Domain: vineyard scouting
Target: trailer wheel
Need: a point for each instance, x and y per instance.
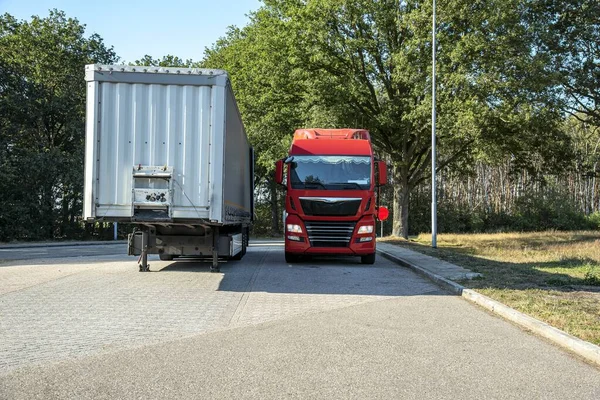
(291, 258)
(368, 259)
(166, 257)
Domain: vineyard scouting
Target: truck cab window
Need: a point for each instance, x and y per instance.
(331, 172)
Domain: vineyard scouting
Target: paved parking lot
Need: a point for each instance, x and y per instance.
(94, 327)
(69, 308)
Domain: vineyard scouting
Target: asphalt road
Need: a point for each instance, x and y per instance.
(36, 252)
(94, 327)
(62, 250)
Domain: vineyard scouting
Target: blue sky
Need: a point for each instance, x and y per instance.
(135, 28)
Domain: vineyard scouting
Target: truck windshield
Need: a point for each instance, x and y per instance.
(330, 172)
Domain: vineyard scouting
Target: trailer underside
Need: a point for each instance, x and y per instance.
(200, 241)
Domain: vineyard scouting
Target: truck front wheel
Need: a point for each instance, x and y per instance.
(291, 258)
(368, 259)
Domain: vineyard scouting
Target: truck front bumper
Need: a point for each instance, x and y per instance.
(355, 249)
(298, 239)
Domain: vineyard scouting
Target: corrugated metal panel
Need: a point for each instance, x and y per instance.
(153, 124)
(237, 168)
(154, 117)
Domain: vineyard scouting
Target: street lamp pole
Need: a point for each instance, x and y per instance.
(433, 150)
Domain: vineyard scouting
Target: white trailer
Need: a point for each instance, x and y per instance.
(166, 150)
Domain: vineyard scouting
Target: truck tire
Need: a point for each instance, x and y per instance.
(368, 259)
(291, 258)
(166, 257)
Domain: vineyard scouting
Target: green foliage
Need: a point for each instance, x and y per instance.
(166, 61)
(592, 277)
(451, 219)
(568, 37)
(507, 71)
(267, 91)
(42, 113)
(551, 211)
(585, 137)
(594, 220)
(262, 220)
(532, 212)
(368, 64)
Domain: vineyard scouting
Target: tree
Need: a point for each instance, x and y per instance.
(267, 90)
(368, 64)
(166, 61)
(568, 35)
(42, 112)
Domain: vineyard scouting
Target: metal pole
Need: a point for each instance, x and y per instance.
(115, 231)
(433, 150)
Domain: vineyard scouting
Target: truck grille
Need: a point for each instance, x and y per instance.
(330, 206)
(329, 234)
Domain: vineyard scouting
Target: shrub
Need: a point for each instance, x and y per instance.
(551, 211)
(594, 220)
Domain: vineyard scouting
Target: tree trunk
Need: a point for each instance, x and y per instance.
(274, 208)
(401, 200)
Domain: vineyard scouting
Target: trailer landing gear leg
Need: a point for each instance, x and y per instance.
(144, 266)
(215, 251)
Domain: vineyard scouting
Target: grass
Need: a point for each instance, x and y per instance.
(552, 276)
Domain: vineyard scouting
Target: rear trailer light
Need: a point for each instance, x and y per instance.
(365, 229)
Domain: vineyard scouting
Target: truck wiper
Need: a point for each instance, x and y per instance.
(314, 183)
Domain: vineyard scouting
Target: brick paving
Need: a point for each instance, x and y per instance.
(61, 309)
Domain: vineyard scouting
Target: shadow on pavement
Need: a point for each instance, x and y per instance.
(269, 273)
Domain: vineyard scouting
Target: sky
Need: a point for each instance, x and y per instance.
(134, 28)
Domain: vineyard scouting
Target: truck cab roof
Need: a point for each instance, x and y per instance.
(339, 134)
(331, 142)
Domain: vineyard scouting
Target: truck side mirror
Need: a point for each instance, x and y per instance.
(382, 173)
(279, 172)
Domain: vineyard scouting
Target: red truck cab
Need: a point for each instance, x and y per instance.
(331, 200)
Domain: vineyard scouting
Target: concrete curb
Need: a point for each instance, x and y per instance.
(586, 350)
(60, 244)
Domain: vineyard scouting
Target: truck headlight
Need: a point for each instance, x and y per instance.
(294, 228)
(365, 229)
